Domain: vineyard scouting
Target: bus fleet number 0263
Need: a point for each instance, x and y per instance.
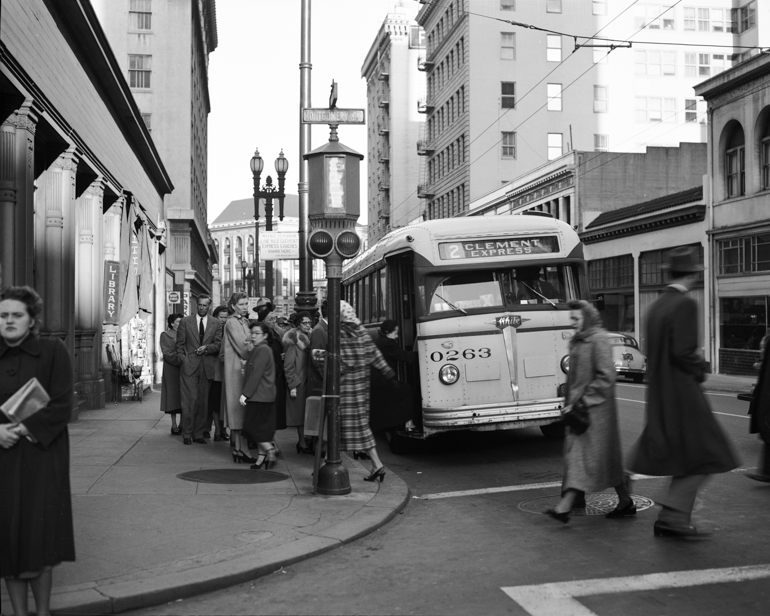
(454, 355)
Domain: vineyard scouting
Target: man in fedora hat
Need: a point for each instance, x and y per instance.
(682, 438)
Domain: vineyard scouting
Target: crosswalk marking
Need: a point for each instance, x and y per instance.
(558, 599)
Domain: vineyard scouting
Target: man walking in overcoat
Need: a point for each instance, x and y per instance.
(197, 345)
(682, 437)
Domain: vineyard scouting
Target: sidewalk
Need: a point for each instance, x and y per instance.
(143, 536)
(730, 384)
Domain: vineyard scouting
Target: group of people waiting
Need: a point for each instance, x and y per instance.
(243, 378)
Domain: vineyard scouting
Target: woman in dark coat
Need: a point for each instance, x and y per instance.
(593, 460)
(259, 395)
(170, 390)
(357, 355)
(36, 506)
(391, 400)
(759, 410)
(296, 346)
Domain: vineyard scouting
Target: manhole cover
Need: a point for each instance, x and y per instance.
(232, 476)
(596, 504)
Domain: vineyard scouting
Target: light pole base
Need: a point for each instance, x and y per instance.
(333, 479)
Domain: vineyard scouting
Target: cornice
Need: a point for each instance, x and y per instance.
(683, 216)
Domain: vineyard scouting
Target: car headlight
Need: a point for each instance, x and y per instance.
(564, 364)
(448, 374)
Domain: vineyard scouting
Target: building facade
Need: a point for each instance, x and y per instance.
(503, 99)
(163, 48)
(394, 85)
(739, 220)
(76, 158)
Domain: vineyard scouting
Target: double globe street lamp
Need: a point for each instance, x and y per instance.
(268, 193)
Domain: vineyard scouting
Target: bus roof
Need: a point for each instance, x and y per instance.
(424, 238)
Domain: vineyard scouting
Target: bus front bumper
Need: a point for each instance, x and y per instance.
(492, 416)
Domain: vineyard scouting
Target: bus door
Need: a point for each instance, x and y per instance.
(401, 281)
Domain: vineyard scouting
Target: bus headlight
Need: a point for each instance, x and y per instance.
(564, 364)
(448, 374)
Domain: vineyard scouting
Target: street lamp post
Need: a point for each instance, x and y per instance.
(244, 265)
(268, 193)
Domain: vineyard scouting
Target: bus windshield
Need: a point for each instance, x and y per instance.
(510, 288)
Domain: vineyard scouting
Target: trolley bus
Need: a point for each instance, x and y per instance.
(483, 303)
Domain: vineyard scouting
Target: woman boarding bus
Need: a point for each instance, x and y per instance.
(483, 302)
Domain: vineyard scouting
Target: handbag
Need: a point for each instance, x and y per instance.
(577, 417)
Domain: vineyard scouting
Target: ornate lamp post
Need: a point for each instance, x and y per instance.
(268, 193)
(244, 265)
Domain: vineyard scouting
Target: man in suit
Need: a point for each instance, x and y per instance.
(681, 438)
(318, 338)
(197, 345)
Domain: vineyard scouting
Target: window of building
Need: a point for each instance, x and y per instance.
(553, 49)
(555, 145)
(744, 255)
(508, 94)
(653, 17)
(140, 14)
(139, 70)
(748, 16)
(735, 164)
(655, 63)
(227, 251)
(553, 91)
(690, 110)
(507, 46)
(601, 102)
(508, 145)
(250, 249)
(599, 7)
(766, 156)
(601, 143)
(147, 119)
(238, 251)
(653, 109)
(553, 6)
(507, 5)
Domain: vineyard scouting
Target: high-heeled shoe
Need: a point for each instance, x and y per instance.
(377, 475)
(258, 464)
(246, 459)
(301, 449)
(620, 512)
(361, 455)
(562, 516)
(236, 457)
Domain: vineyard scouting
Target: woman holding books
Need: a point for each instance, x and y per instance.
(36, 508)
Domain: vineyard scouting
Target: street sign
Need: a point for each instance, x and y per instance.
(173, 297)
(333, 116)
(276, 246)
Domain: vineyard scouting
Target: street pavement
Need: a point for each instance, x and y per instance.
(143, 536)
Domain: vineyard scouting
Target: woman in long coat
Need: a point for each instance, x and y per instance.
(170, 391)
(296, 348)
(36, 530)
(593, 460)
(357, 354)
(236, 346)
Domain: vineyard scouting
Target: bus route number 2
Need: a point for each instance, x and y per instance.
(454, 355)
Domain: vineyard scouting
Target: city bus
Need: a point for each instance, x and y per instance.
(482, 303)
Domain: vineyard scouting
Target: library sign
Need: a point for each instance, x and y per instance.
(111, 288)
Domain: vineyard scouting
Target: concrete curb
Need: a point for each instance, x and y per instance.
(115, 595)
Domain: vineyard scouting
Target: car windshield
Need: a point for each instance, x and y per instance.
(510, 288)
(623, 341)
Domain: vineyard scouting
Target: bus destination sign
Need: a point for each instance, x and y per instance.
(504, 247)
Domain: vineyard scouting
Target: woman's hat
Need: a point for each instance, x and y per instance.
(682, 260)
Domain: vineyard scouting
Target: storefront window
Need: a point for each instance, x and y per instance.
(743, 322)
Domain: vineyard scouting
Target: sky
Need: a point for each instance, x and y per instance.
(254, 85)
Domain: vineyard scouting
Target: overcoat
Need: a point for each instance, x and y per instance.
(170, 392)
(35, 501)
(593, 461)
(682, 436)
(391, 401)
(357, 354)
(236, 347)
(259, 389)
(318, 338)
(296, 349)
(759, 409)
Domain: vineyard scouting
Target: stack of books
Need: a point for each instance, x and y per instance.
(26, 402)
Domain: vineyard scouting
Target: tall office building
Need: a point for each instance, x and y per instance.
(503, 99)
(163, 47)
(394, 85)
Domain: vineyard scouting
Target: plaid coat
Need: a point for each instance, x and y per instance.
(357, 354)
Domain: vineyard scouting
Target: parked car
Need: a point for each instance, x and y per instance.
(629, 360)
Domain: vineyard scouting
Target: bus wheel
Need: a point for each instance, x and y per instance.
(553, 430)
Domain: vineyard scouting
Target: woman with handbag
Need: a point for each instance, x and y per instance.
(593, 459)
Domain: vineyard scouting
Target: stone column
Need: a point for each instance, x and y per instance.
(17, 177)
(89, 280)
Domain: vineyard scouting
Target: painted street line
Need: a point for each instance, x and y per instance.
(559, 598)
(630, 400)
(520, 488)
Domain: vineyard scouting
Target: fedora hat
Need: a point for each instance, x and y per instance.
(261, 303)
(682, 260)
